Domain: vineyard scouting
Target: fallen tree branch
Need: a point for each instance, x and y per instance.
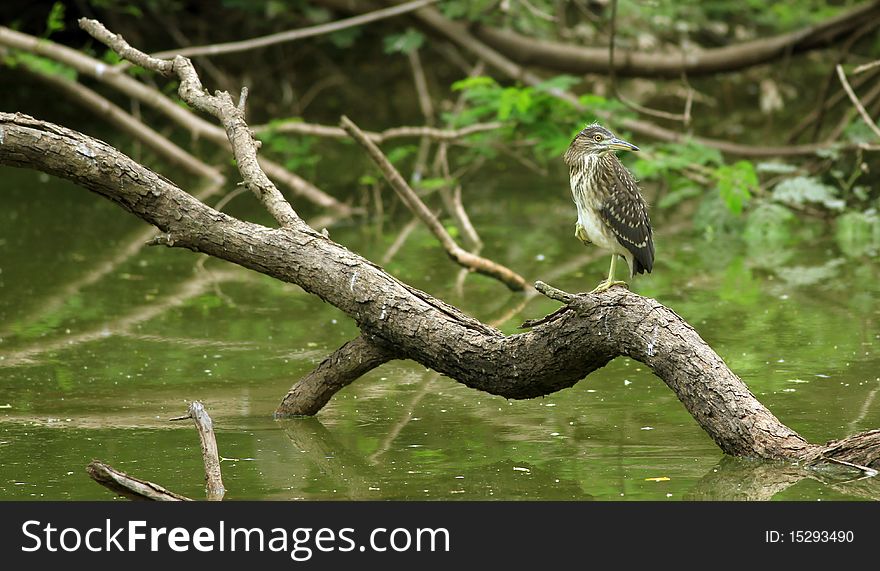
(130, 487)
(197, 127)
(685, 117)
(461, 256)
(344, 366)
(432, 133)
(548, 358)
(109, 111)
(581, 60)
(205, 426)
(461, 35)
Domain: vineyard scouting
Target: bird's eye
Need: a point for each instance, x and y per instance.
(598, 138)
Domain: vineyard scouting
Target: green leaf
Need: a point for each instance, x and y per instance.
(735, 184)
(858, 233)
(801, 190)
(679, 195)
(472, 82)
(404, 43)
(345, 38)
(55, 19)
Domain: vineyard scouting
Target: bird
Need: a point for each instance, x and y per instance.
(611, 211)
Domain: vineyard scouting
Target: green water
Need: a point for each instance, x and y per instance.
(95, 358)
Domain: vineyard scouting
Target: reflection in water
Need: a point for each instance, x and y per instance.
(98, 374)
(743, 479)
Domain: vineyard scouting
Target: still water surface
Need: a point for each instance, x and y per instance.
(101, 342)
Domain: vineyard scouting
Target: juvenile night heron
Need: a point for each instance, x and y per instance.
(611, 212)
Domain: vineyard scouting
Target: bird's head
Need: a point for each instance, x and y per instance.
(595, 140)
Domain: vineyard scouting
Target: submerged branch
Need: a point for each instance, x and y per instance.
(130, 487)
(205, 426)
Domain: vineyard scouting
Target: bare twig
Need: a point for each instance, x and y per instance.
(464, 258)
(855, 101)
(298, 34)
(867, 66)
(381, 137)
(870, 472)
(612, 76)
(220, 105)
(130, 487)
(205, 426)
(427, 107)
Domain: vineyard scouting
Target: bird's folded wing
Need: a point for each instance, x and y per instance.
(626, 213)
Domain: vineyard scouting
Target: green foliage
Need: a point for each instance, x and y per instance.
(297, 153)
(39, 64)
(530, 113)
(736, 183)
(858, 233)
(55, 19)
(669, 158)
(473, 10)
(345, 38)
(405, 42)
(802, 190)
(400, 153)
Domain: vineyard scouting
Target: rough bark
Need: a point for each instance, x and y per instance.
(210, 456)
(344, 366)
(412, 324)
(130, 487)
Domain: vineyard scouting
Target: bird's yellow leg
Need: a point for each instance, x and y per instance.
(610, 281)
(580, 233)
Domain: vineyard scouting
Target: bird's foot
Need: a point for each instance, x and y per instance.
(608, 284)
(581, 234)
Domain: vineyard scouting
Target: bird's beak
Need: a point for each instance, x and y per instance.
(621, 145)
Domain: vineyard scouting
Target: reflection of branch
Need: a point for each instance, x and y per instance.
(124, 252)
(331, 457)
(187, 290)
(405, 418)
(401, 238)
(866, 406)
(750, 480)
(464, 258)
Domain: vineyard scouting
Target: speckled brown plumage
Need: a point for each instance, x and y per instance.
(611, 212)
